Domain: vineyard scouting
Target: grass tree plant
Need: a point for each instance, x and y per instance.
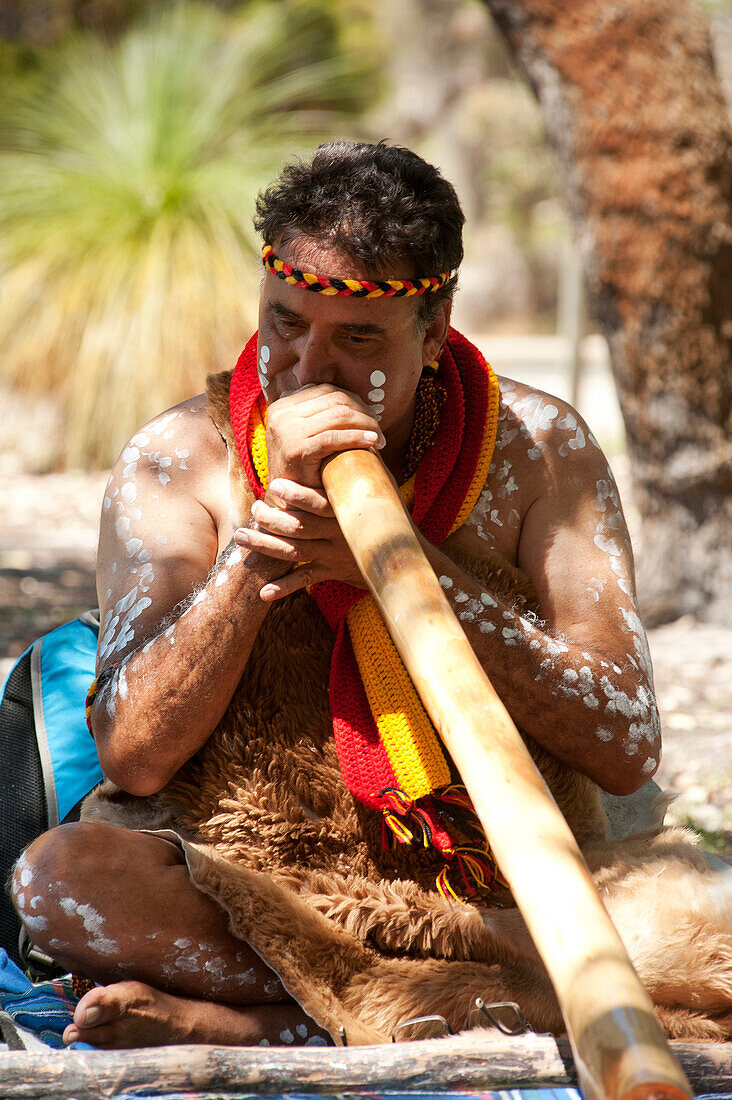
(128, 172)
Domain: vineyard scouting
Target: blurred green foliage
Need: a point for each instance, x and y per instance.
(128, 174)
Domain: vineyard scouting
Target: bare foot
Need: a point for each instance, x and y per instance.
(131, 1014)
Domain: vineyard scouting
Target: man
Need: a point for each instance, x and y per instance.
(186, 585)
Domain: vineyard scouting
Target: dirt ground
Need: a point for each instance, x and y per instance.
(48, 527)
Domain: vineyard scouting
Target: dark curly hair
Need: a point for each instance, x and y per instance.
(380, 204)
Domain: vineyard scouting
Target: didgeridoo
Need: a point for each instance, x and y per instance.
(619, 1048)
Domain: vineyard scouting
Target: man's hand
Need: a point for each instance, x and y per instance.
(295, 523)
(304, 427)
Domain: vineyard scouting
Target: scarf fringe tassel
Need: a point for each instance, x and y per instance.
(409, 824)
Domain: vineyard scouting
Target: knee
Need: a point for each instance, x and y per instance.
(54, 861)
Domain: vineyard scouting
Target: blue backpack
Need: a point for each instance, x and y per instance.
(48, 757)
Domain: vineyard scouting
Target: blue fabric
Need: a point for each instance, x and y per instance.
(46, 1008)
(68, 656)
(12, 980)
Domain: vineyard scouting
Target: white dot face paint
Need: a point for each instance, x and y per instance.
(264, 356)
(376, 394)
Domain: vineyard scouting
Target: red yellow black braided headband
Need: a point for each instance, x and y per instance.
(327, 284)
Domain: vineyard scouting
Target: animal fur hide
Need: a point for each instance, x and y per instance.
(358, 934)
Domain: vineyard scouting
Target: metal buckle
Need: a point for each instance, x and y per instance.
(422, 1020)
(521, 1027)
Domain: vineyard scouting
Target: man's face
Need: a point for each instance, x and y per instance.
(371, 347)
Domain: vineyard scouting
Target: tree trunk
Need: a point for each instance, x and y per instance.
(636, 116)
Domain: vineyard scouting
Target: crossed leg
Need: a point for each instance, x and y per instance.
(119, 907)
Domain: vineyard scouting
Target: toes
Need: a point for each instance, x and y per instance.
(71, 1035)
(98, 1006)
(104, 1037)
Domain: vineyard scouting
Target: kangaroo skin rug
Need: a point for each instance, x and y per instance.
(355, 927)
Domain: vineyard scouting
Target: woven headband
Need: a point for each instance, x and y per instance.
(356, 288)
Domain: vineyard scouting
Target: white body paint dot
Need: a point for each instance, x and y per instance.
(264, 353)
(377, 378)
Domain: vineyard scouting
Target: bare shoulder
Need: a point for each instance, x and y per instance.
(164, 517)
(542, 445)
(180, 449)
(541, 429)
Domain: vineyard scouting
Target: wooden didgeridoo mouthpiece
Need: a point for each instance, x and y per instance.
(619, 1048)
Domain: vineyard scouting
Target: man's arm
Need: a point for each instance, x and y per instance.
(579, 680)
(177, 620)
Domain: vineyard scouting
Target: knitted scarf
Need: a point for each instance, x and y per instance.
(389, 753)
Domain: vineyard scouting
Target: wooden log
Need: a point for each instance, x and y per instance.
(620, 1050)
(478, 1060)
